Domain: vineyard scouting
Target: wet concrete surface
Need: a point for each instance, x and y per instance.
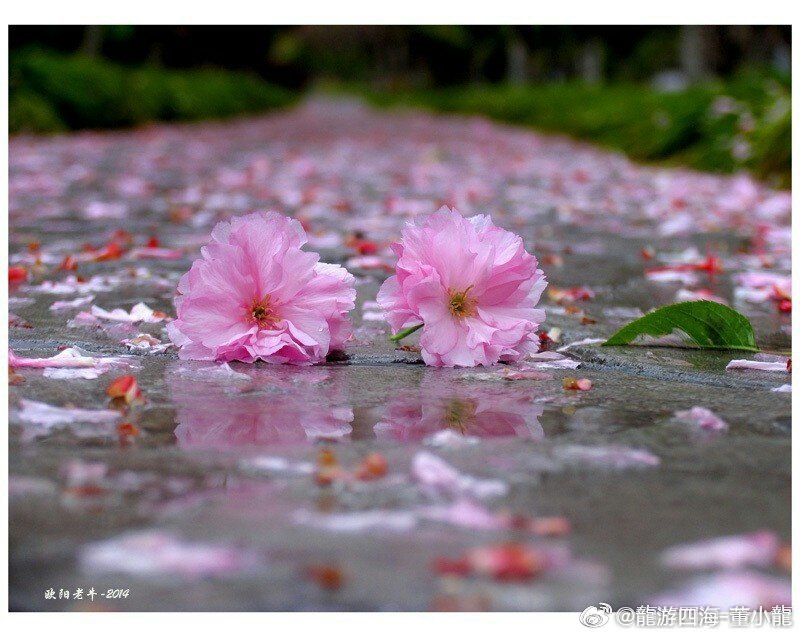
(222, 470)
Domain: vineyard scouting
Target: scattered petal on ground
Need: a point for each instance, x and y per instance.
(702, 418)
(359, 521)
(432, 471)
(39, 419)
(727, 589)
(158, 553)
(612, 457)
(139, 313)
(764, 366)
(735, 551)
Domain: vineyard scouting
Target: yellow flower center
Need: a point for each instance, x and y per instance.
(262, 314)
(461, 304)
(458, 413)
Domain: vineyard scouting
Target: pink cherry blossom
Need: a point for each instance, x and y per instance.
(255, 295)
(472, 285)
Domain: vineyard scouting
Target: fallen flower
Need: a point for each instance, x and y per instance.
(469, 286)
(703, 418)
(255, 295)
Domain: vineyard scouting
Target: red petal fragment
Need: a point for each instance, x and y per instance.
(506, 562)
(69, 264)
(125, 388)
(372, 467)
(17, 274)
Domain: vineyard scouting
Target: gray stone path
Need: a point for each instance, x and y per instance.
(214, 506)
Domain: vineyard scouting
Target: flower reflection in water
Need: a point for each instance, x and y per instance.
(277, 406)
(484, 410)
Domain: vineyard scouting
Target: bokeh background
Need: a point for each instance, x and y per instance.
(715, 98)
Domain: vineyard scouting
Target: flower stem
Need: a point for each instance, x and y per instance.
(403, 333)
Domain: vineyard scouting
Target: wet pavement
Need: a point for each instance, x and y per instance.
(373, 482)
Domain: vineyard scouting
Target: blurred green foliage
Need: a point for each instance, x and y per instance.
(51, 92)
(740, 123)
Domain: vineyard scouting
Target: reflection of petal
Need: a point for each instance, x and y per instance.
(468, 409)
(276, 408)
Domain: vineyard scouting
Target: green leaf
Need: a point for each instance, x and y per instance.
(707, 324)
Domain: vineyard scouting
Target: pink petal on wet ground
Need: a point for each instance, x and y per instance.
(140, 312)
(161, 554)
(611, 457)
(39, 419)
(431, 471)
(357, 521)
(727, 589)
(69, 357)
(763, 366)
(729, 552)
(702, 418)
